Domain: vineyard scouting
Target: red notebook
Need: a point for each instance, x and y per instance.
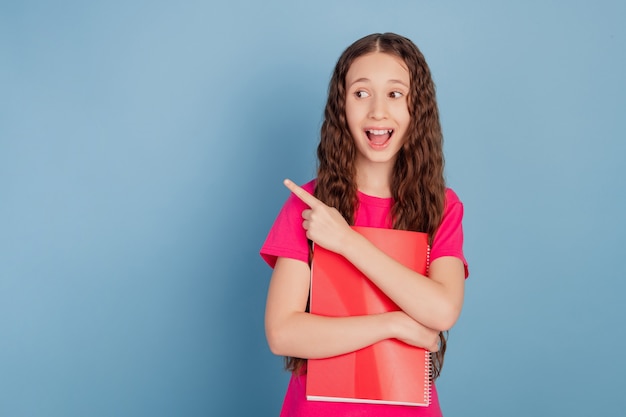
(390, 371)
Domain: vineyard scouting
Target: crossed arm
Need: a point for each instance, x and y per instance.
(428, 304)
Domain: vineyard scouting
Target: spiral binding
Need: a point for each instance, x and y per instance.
(428, 380)
(429, 375)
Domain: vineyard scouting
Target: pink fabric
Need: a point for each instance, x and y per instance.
(287, 239)
(296, 405)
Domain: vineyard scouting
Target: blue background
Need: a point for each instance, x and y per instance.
(142, 148)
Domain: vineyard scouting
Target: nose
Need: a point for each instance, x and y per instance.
(378, 107)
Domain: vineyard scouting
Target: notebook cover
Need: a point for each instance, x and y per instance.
(390, 371)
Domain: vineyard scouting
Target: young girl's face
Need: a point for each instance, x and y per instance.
(377, 86)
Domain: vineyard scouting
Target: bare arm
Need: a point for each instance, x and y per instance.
(433, 301)
(291, 331)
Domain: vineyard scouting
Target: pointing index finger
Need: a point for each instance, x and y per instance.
(306, 197)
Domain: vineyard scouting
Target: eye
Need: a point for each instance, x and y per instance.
(395, 94)
(361, 94)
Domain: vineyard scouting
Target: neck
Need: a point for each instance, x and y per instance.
(374, 179)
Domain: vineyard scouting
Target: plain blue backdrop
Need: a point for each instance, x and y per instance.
(142, 148)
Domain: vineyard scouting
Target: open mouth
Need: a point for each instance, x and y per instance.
(379, 137)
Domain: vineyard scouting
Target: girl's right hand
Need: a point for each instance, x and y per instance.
(413, 333)
(324, 225)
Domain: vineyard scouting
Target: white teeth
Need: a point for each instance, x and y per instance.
(379, 132)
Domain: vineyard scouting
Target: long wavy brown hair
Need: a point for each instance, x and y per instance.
(417, 184)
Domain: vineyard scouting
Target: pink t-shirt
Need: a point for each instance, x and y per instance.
(287, 239)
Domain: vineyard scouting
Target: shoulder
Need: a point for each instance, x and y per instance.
(287, 237)
(453, 209)
(448, 239)
(453, 204)
(452, 197)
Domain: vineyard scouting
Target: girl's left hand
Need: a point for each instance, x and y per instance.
(324, 225)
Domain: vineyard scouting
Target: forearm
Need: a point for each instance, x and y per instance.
(310, 336)
(291, 331)
(432, 302)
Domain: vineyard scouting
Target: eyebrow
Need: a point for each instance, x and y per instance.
(392, 81)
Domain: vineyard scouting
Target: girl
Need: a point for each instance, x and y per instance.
(380, 165)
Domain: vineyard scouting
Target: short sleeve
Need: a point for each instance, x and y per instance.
(287, 237)
(448, 240)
